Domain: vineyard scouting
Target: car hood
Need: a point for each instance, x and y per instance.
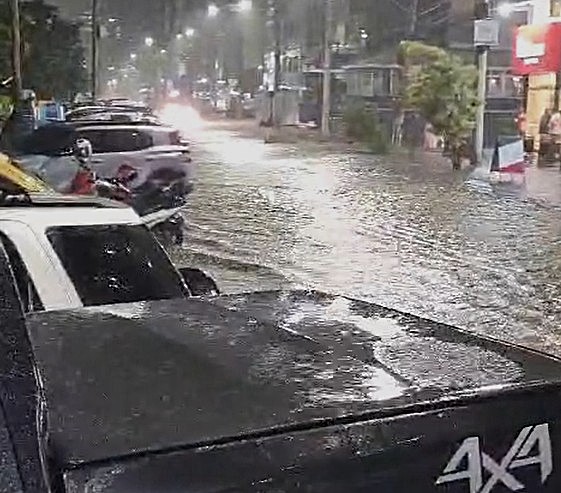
(130, 379)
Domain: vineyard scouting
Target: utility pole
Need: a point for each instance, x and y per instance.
(95, 48)
(275, 26)
(414, 18)
(486, 34)
(326, 106)
(278, 50)
(16, 48)
(482, 64)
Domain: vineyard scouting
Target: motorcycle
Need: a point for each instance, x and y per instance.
(159, 206)
(61, 160)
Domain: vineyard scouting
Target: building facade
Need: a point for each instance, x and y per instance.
(536, 59)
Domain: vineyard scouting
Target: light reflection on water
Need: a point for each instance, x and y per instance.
(414, 237)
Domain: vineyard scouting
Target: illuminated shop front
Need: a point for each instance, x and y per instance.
(537, 56)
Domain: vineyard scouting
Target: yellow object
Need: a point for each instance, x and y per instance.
(12, 173)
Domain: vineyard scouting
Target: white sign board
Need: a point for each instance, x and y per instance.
(509, 158)
(525, 48)
(486, 32)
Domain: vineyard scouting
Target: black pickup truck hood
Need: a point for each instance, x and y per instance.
(130, 380)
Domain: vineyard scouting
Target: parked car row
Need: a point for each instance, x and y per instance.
(127, 154)
(121, 374)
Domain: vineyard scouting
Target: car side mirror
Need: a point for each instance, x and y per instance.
(199, 283)
(83, 150)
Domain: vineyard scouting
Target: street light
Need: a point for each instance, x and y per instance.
(133, 56)
(189, 32)
(163, 51)
(505, 9)
(245, 5)
(149, 41)
(213, 10)
(179, 36)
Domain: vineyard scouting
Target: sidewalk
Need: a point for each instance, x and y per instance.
(544, 185)
(541, 184)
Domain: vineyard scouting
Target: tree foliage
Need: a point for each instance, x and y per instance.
(365, 127)
(53, 55)
(443, 89)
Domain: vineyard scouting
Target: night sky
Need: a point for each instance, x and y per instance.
(74, 7)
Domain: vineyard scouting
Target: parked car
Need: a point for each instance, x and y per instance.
(117, 116)
(155, 181)
(147, 148)
(250, 104)
(73, 251)
(283, 391)
(84, 111)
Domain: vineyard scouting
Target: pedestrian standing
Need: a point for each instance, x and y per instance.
(545, 146)
(521, 121)
(555, 133)
(544, 121)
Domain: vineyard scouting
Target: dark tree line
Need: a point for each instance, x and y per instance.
(53, 63)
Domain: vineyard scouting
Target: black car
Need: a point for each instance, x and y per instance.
(268, 392)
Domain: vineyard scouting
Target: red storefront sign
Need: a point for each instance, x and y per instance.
(537, 49)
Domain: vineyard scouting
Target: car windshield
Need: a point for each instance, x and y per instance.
(115, 264)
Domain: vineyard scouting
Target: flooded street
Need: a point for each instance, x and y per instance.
(416, 237)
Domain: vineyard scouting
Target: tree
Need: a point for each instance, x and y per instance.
(443, 89)
(53, 55)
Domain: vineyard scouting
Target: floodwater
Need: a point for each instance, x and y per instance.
(408, 235)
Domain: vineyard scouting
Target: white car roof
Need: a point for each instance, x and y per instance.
(44, 218)
(47, 211)
(124, 126)
(84, 108)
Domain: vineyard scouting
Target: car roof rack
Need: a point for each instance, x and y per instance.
(23, 199)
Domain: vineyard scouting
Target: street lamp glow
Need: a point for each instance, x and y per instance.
(505, 9)
(149, 41)
(179, 36)
(212, 10)
(245, 5)
(189, 32)
(133, 56)
(163, 51)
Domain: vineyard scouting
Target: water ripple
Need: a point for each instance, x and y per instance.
(414, 237)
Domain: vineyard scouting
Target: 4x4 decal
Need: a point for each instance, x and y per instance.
(531, 439)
